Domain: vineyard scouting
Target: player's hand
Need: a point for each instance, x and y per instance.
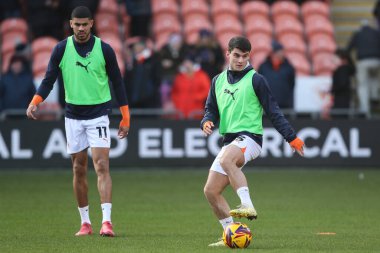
(297, 145)
(123, 132)
(31, 111)
(207, 127)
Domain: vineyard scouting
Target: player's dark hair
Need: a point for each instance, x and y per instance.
(81, 12)
(239, 42)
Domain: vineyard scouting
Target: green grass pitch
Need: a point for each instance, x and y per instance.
(165, 211)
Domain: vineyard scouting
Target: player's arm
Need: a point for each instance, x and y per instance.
(47, 83)
(272, 110)
(113, 72)
(211, 110)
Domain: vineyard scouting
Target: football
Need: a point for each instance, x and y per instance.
(237, 235)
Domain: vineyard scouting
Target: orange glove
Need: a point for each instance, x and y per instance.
(297, 145)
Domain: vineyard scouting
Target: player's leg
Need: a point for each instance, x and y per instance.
(98, 136)
(77, 148)
(236, 155)
(80, 185)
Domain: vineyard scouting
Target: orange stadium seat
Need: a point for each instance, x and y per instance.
(107, 25)
(40, 63)
(288, 26)
(224, 7)
(113, 40)
(299, 62)
(293, 43)
(227, 23)
(108, 6)
(258, 58)
(194, 6)
(285, 7)
(321, 43)
(225, 37)
(315, 7)
(13, 25)
(166, 23)
(255, 24)
(10, 41)
(316, 26)
(164, 6)
(324, 64)
(260, 42)
(254, 8)
(43, 44)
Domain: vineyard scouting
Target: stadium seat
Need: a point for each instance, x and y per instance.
(324, 64)
(260, 42)
(293, 43)
(321, 43)
(299, 62)
(285, 7)
(40, 63)
(107, 25)
(10, 41)
(219, 7)
(113, 40)
(288, 26)
(193, 26)
(166, 23)
(320, 25)
(43, 44)
(164, 6)
(108, 6)
(255, 24)
(255, 9)
(227, 23)
(224, 38)
(13, 25)
(258, 58)
(194, 6)
(315, 7)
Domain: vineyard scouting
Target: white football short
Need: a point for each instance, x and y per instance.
(247, 145)
(81, 134)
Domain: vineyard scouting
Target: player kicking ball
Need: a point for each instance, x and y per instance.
(236, 100)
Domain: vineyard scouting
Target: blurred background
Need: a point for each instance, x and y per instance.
(321, 59)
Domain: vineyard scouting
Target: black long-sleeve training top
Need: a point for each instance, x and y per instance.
(83, 112)
(264, 94)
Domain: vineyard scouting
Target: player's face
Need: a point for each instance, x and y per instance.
(237, 59)
(81, 28)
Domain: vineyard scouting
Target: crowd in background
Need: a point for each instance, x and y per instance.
(178, 76)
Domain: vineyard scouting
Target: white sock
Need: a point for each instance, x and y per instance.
(225, 222)
(106, 210)
(243, 193)
(84, 214)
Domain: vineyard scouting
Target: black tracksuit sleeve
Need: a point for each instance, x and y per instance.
(271, 108)
(113, 72)
(211, 108)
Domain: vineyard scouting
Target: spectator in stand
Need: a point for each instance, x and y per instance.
(16, 85)
(342, 84)
(366, 43)
(10, 9)
(171, 55)
(140, 12)
(46, 18)
(143, 77)
(190, 89)
(209, 54)
(280, 75)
